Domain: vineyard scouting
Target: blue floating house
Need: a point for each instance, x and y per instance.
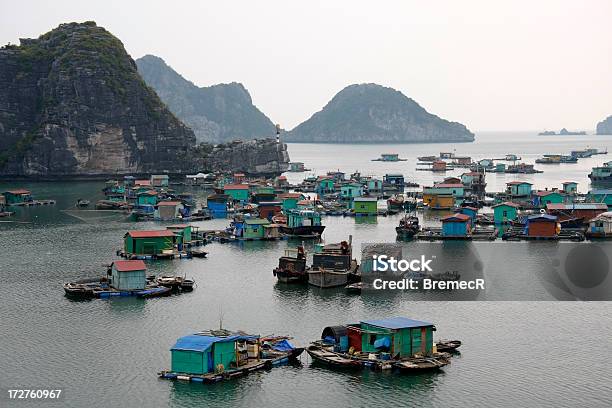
(217, 205)
(456, 225)
(471, 212)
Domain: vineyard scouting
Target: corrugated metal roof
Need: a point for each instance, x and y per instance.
(397, 323)
(507, 203)
(455, 218)
(169, 203)
(512, 183)
(128, 266)
(577, 206)
(150, 234)
(19, 191)
(236, 187)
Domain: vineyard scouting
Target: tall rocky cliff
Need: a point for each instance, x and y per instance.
(218, 113)
(605, 126)
(370, 113)
(72, 103)
(254, 157)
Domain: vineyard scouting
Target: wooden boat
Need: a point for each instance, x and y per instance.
(292, 266)
(408, 227)
(448, 345)
(154, 292)
(333, 266)
(82, 203)
(198, 253)
(357, 287)
(418, 364)
(330, 358)
(176, 283)
(187, 285)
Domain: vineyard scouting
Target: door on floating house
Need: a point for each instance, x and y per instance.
(210, 360)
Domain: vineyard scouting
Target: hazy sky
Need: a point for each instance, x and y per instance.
(492, 65)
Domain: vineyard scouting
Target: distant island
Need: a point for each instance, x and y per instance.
(216, 114)
(562, 132)
(605, 126)
(371, 113)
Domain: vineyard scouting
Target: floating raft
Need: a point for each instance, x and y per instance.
(477, 234)
(34, 203)
(518, 234)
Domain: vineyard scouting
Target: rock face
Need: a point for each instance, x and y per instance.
(72, 104)
(605, 126)
(255, 157)
(217, 114)
(370, 113)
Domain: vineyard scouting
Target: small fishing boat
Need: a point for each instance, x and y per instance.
(198, 253)
(82, 203)
(216, 355)
(419, 364)
(322, 355)
(333, 265)
(187, 285)
(176, 283)
(448, 345)
(408, 227)
(395, 203)
(358, 287)
(292, 266)
(154, 292)
(428, 158)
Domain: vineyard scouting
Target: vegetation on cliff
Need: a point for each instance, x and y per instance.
(72, 103)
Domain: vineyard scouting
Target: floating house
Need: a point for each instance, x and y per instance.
(601, 174)
(570, 187)
(337, 176)
(290, 200)
(474, 182)
(303, 222)
(506, 212)
(351, 190)
(365, 206)
(399, 336)
(542, 198)
(183, 232)
(237, 192)
(263, 194)
(542, 225)
(584, 211)
(156, 242)
(373, 186)
(438, 201)
(205, 353)
(600, 226)
(160, 180)
(170, 210)
(438, 165)
(239, 178)
(128, 275)
(17, 196)
(254, 228)
(518, 188)
(389, 157)
(296, 167)
(324, 185)
(217, 205)
(395, 181)
(456, 225)
(269, 209)
(463, 160)
(443, 195)
(600, 196)
(471, 212)
(148, 197)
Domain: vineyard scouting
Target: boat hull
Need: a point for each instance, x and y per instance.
(324, 278)
(303, 231)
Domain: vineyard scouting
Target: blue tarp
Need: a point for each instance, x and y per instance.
(397, 323)
(283, 345)
(197, 342)
(383, 343)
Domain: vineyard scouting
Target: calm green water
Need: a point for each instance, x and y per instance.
(106, 353)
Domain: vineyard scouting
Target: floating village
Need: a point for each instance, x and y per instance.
(269, 209)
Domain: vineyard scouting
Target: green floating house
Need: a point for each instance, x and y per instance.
(203, 353)
(504, 213)
(17, 196)
(183, 232)
(403, 337)
(128, 275)
(237, 192)
(365, 206)
(148, 242)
